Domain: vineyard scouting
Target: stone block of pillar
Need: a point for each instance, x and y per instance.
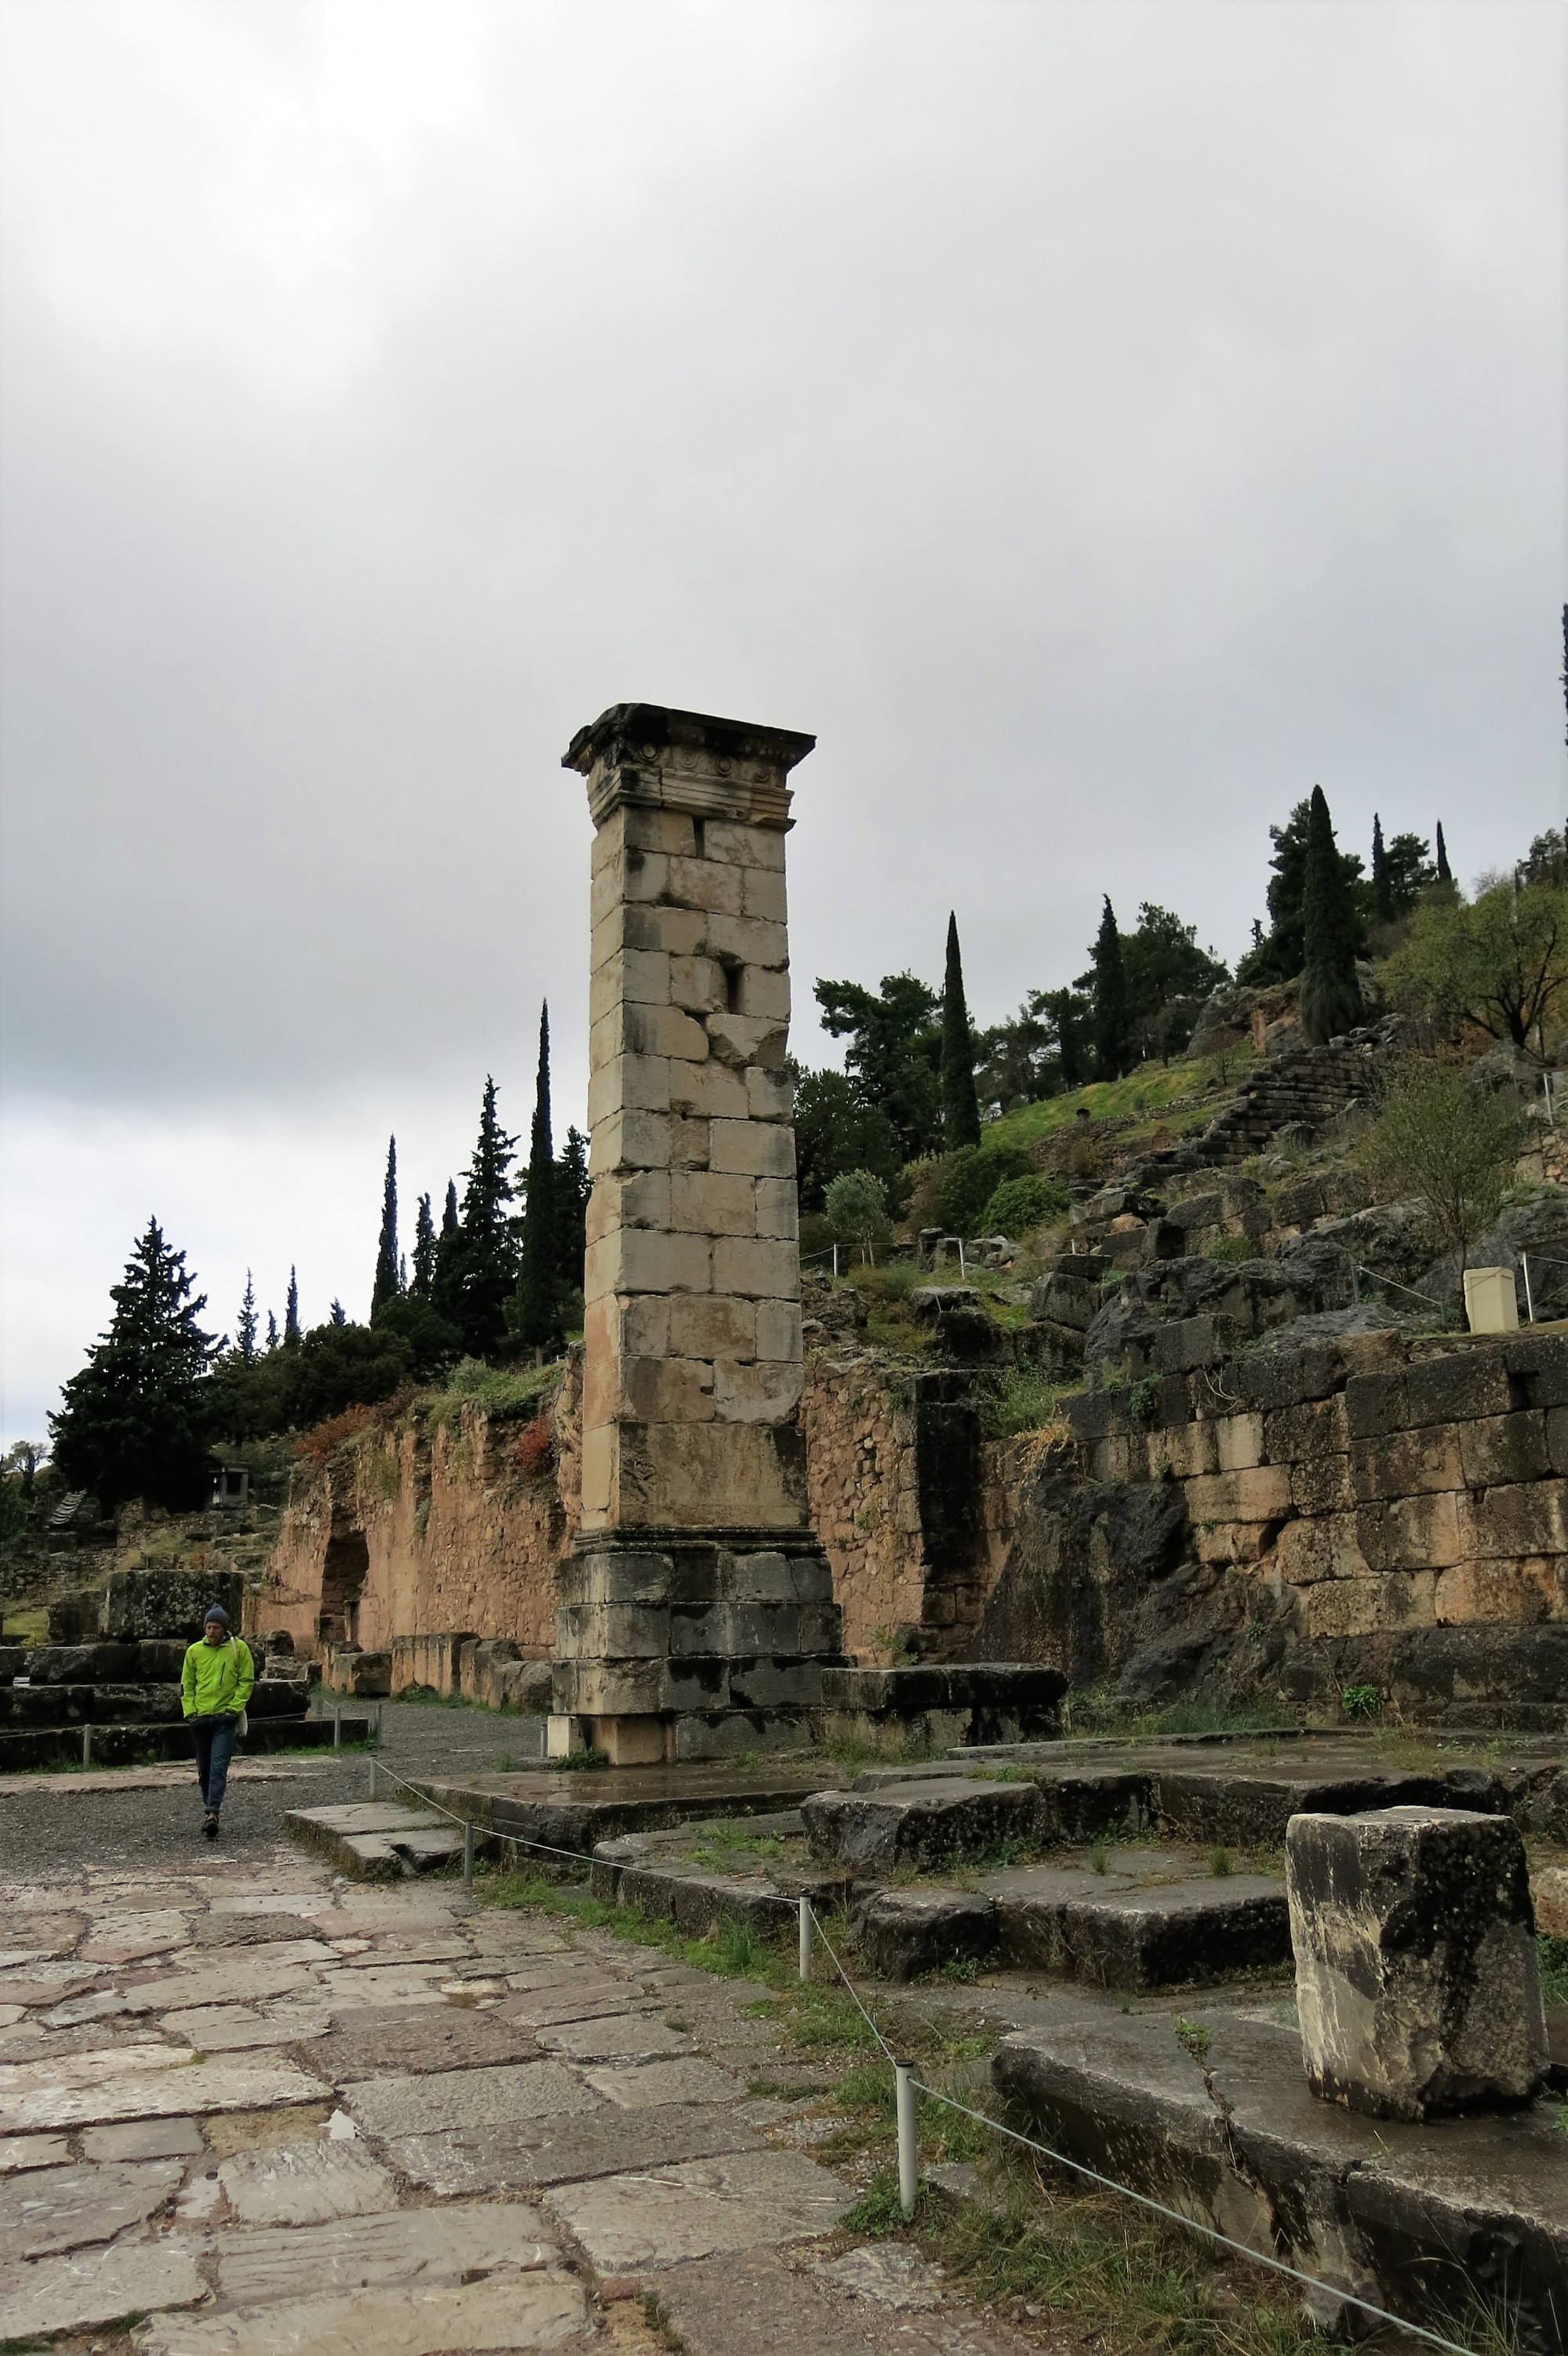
(695, 1541)
(1416, 1974)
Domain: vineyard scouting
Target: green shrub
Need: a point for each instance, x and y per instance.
(858, 1210)
(1020, 1203)
(970, 1177)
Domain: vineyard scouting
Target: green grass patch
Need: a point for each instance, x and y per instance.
(736, 1949)
(1553, 1969)
(493, 1390)
(1144, 1094)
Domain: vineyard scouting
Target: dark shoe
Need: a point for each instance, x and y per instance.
(210, 1827)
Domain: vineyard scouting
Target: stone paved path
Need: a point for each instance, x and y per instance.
(271, 2110)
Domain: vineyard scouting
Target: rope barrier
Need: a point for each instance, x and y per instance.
(906, 2082)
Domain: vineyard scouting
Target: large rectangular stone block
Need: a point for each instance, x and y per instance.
(1532, 1517)
(708, 1091)
(1406, 1463)
(1259, 1494)
(1498, 1449)
(744, 846)
(1416, 1977)
(1412, 1532)
(712, 1202)
(759, 1149)
(764, 1270)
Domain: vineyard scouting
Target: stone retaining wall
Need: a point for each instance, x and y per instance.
(1356, 1509)
(424, 1534)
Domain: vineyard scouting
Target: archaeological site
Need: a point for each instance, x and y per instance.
(1090, 1630)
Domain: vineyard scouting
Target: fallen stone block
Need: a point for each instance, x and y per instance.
(382, 1840)
(905, 1932)
(1417, 1980)
(348, 1670)
(923, 1822)
(1419, 2220)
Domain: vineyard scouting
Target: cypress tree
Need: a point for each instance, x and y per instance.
(571, 1189)
(271, 1333)
(424, 1251)
(446, 1284)
(960, 1104)
(537, 1325)
(132, 1423)
(1112, 1019)
(385, 1286)
(292, 1315)
(1382, 890)
(1445, 873)
(1330, 994)
(246, 1322)
(488, 1272)
(338, 1314)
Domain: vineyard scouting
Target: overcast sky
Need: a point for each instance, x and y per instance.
(1097, 424)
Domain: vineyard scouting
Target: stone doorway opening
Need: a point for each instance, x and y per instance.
(343, 1577)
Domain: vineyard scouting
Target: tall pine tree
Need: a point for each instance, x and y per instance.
(1330, 994)
(571, 1189)
(1445, 873)
(291, 1313)
(960, 1104)
(245, 1325)
(538, 1321)
(423, 1285)
(385, 1286)
(1112, 1019)
(271, 1333)
(446, 1285)
(488, 1266)
(132, 1423)
(1382, 891)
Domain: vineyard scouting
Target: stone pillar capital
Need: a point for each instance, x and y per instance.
(648, 756)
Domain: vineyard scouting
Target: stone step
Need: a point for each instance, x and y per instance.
(1116, 1930)
(379, 1840)
(125, 1746)
(1214, 2116)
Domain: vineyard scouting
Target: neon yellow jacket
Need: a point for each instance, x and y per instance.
(216, 1677)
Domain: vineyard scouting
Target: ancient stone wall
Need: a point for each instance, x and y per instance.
(913, 1504)
(1317, 1512)
(459, 1530)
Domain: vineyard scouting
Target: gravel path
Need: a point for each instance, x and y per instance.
(57, 1824)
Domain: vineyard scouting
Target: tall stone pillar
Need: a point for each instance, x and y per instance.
(697, 1613)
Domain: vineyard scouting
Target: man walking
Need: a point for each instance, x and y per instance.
(215, 1686)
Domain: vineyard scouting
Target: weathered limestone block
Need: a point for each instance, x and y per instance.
(167, 1602)
(1504, 1448)
(1417, 1982)
(348, 1670)
(1406, 1464)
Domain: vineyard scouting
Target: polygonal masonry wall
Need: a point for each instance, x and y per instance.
(692, 1326)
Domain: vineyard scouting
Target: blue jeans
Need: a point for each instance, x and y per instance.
(214, 1740)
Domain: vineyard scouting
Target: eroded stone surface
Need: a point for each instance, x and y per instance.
(685, 2078)
(171, 2138)
(59, 2209)
(399, 2105)
(72, 2294)
(1416, 1972)
(533, 2153)
(304, 2184)
(629, 2223)
(18, 2152)
(527, 2311)
(393, 2246)
(152, 2093)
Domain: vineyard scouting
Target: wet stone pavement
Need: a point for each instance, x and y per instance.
(265, 2111)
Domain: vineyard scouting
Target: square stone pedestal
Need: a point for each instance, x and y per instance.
(673, 1645)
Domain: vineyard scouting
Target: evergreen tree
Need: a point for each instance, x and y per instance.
(245, 1323)
(1330, 994)
(292, 1315)
(1445, 873)
(1382, 896)
(424, 1251)
(960, 1104)
(895, 1054)
(271, 1333)
(489, 1271)
(537, 1323)
(133, 1422)
(338, 1314)
(385, 1286)
(571, 1189)
(1113, 1026)
(446, 1284)
(1280, 957)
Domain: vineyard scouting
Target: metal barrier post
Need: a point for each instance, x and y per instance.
(337, 1730)
(380, 1707)
(1529, 1300)
(468, 1855)
(374, 1781)
(806, 1938)
(904, 2072)
(87, 1746)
